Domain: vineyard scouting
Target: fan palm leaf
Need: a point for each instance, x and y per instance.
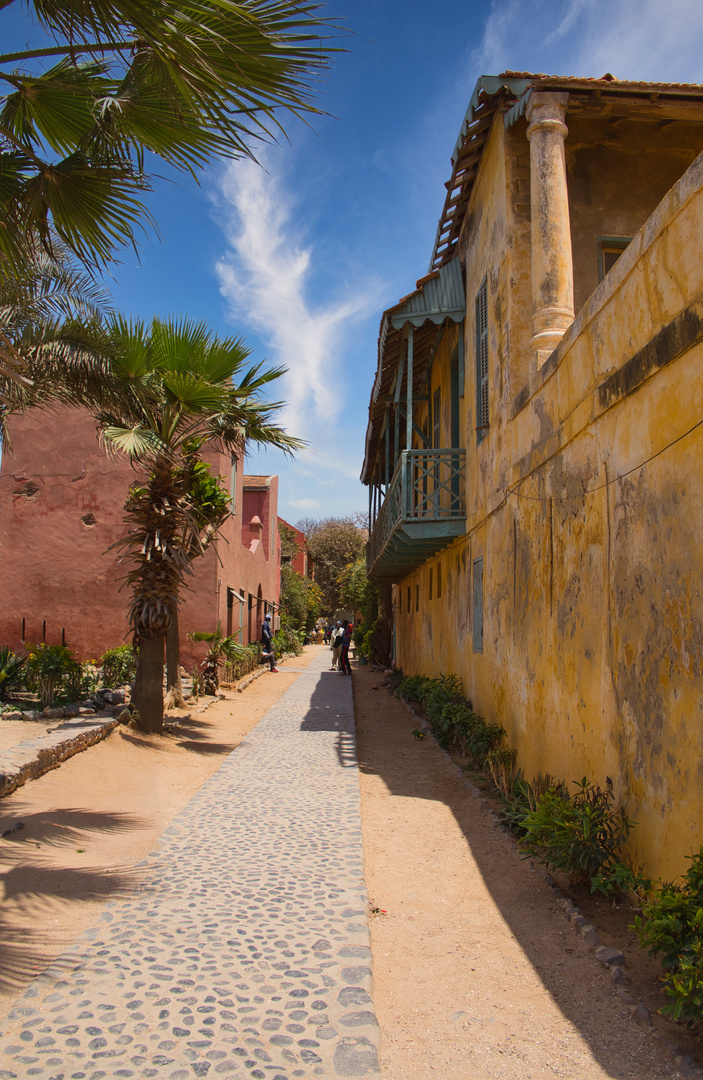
(187, 81)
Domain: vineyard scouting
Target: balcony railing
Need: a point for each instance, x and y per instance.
(424, 509)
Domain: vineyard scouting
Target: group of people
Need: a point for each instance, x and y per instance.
(339, 637)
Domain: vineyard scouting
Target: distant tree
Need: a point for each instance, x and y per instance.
(333, 543)
(300, 601)
(289, 542)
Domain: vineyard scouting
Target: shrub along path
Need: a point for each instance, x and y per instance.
(477, 975)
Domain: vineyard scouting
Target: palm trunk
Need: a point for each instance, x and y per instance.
(174, 687)
(148, 695)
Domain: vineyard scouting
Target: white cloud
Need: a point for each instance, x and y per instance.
(633, 39)
(267, 276)
(305, 504)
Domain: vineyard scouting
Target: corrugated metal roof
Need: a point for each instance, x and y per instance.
(438, 296)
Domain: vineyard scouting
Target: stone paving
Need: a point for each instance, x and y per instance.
(245, 952)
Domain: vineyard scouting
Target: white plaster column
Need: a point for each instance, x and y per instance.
(552, 261)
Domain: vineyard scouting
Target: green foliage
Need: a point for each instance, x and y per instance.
(361, 596)
(11, 668)
(501, 764)
(299, 600)
(334, 544)
(580, 835)
(453, 721)
(671, 927)
(524, 796)
(221, 649)
(286, 642)
(53, 670)
(119, 666)
(108, 88)
(289, 543)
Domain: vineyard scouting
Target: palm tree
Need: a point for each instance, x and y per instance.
(185, 80)
(222, 647)
(172, 387)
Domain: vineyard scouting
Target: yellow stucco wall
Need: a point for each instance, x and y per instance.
(593, 604)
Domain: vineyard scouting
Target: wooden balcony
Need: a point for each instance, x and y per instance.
(424, 510)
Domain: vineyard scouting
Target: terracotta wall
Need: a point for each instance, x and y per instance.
(60, 510)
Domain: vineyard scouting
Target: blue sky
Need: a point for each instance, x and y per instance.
(302, 253)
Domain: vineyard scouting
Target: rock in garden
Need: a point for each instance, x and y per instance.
(118, 697)
(125, 716)
(52, 713)
(14, 715)
(73, 709)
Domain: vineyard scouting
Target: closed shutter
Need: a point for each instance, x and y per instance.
(482, 362)
(478, 605)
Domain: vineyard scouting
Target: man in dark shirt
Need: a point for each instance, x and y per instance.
(267, 642)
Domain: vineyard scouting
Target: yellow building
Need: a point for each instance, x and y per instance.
(533, 452)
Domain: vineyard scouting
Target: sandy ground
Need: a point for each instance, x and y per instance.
(13, 732)
(87, 823)
(477, 975)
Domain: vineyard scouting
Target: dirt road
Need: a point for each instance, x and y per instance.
(477, 975)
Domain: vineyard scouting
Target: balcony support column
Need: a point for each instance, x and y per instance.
(409, 394)
(552, 260)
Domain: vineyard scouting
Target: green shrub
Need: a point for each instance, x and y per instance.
(671, 927)
(451, 716)
(286, 642)
(119, 666)
(11, 669)
(524, 797)
(579, 835)
(50, 670)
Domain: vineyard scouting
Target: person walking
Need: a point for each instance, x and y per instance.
(267, 642)
(336, 639)
(344, 649)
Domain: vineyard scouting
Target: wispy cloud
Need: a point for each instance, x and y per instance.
(269, 278)
(644, 40)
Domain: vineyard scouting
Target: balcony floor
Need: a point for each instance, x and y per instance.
(410, 545)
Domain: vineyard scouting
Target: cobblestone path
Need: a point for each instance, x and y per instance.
(245, 952)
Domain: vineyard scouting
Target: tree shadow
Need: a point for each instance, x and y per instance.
(37, 894)
(386, 749)
(63, 828)
(195, 747)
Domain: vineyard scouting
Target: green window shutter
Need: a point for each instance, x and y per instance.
(482, 362)
(478, 606)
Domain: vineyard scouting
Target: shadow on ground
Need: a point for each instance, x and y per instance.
(43, 895)
(420, 770)
(331, 711)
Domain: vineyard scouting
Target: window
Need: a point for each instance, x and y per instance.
(408, 599)
(610, 248)
(233, 484)
(478, 605)
(482, 362)
(439, 580)
(431, 574)
(417, 598)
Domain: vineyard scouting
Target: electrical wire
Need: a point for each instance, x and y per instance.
(599, 487)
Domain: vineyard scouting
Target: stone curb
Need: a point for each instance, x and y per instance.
(34, 757)
(610, 958)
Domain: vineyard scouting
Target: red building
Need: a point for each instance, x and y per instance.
(61, 501)
(302, 561)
